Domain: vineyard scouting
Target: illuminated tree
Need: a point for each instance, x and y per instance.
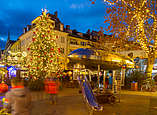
(135, 20)
(109, 42)
(44, 54)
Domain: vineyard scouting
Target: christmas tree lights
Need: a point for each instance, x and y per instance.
(44, 54)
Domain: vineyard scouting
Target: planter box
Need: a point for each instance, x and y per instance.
(134, 86)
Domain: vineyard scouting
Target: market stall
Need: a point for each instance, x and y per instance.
(82, 60)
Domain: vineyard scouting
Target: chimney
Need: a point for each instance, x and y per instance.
(74, 31)
(91, 37)
(61, 27)
(80, 34)
(70, 31)
(56, 14)
(24, 30)
(88, 31)
(28, 27)
(67, 27)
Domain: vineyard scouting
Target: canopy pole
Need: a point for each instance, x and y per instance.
(104, 81)
(113, 81)
(90, 77)
(85, 72)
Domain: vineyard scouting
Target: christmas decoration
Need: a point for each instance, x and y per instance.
(44, 52)
(3, 88)
(134, 20)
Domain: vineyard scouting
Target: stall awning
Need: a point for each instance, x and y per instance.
(92, 58)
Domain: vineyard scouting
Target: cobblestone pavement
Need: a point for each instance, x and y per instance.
(70, 102)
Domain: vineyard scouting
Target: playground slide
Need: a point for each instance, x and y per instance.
(88, 94)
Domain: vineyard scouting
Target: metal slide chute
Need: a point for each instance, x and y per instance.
(93, 59)
(88, 94)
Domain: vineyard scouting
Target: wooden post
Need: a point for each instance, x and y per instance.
(113, 80)
(18, 73)
(122, 76)
(98, 77)
(90, 77)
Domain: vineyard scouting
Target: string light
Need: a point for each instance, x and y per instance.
(44, 55)
(139, 20)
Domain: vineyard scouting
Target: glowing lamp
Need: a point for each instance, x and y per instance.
(69, 72)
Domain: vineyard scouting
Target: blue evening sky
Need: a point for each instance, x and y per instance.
(79, 14)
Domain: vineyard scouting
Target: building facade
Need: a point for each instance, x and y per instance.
(68, 40)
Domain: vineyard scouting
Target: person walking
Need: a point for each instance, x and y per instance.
(51, 87)
(18, 98)
(110, 81)
(101, 81)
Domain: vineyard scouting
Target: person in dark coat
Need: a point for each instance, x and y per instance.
(101, 79)
(107, 82)
(95, 80)
(18, 98)
(110, 80)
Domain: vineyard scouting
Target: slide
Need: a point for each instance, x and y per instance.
(88, 94)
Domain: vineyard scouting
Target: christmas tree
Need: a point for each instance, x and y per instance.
(43, 52)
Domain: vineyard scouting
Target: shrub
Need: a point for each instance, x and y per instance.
(36, 85)
(135, 76)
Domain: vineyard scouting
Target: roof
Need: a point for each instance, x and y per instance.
(10, 42)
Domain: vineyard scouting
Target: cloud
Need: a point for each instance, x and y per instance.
(2, 39)
(15, 22)
(77, 6)
(80, 14)
(87, 16)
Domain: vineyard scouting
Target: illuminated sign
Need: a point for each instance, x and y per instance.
(12, 71)
(1, 65)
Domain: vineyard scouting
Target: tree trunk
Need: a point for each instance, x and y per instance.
(151, 60)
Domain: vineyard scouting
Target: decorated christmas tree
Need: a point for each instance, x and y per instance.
(43, 52)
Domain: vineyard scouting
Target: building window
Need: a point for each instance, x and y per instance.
(74, 42)
(62, 50)
(22, 43)
(83, 43)
(62, 39)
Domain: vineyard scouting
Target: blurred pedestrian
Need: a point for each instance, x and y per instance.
(18, 98)
(51, 87)
(95, 80)
(107, 81)
(110, 81)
